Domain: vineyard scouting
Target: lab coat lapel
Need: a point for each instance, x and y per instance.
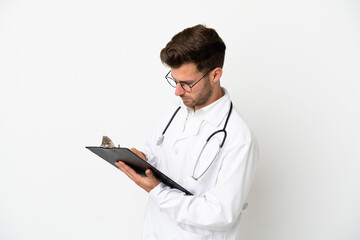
(192, 128)
(213, 114)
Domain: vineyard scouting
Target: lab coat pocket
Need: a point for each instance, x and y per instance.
(181, 234)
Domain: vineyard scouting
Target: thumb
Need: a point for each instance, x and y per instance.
(149, 173)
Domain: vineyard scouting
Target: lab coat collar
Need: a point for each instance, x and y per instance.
(213, 113)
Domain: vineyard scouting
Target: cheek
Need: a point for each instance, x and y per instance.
(195, 92)
(192, 95)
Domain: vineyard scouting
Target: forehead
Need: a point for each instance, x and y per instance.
(185, 72)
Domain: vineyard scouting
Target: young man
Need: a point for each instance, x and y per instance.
(206, 148)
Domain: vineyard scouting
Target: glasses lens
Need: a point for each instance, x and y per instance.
(186, 87)
(171, 81)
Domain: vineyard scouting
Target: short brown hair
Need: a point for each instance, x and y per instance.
(199, 45)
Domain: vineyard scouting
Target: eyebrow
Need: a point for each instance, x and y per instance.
(186, 81)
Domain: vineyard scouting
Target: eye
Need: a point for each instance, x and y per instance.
(187, 83)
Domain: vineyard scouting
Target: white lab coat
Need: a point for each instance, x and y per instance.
(215, 209)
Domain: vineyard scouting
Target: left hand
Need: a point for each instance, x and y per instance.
(146, 183)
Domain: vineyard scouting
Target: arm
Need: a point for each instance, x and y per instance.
(220, 206)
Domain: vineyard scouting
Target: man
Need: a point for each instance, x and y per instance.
(219, 181)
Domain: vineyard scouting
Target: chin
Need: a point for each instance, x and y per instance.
(188, 104)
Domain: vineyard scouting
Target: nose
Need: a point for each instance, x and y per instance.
(179, 90)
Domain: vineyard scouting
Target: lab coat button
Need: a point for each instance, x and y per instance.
(245, 206)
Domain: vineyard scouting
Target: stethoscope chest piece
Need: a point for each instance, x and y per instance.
(160, 139)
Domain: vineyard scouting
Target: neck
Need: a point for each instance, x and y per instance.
(217, 94)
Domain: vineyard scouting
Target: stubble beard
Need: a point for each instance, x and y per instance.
(203, 96)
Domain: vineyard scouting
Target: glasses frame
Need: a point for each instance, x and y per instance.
(171, 78)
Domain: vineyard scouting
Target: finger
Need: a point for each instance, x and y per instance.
(149, 173)
(119, 165)
(134, 150)
(128, 171)
(138, 153)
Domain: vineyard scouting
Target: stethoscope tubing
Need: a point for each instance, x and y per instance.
(161, 139)
(220, 146)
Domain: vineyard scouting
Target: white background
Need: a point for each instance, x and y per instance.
(70, 70)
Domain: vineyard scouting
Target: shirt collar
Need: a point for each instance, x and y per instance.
(213, 113)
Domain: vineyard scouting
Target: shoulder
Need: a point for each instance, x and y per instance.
(238, 130)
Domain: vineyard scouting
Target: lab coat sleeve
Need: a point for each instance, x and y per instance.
(219, 207)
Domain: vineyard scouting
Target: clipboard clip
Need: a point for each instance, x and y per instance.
(107, 143)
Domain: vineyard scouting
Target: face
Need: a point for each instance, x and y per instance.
(201, 93)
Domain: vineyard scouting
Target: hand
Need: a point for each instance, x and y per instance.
(140, 154)
(146, 183)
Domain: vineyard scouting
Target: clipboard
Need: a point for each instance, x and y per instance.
(112, 155)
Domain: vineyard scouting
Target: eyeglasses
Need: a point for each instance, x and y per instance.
(186, 86)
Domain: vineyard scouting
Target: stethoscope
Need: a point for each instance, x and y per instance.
(161, 139)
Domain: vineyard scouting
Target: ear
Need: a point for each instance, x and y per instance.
(217, 73)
